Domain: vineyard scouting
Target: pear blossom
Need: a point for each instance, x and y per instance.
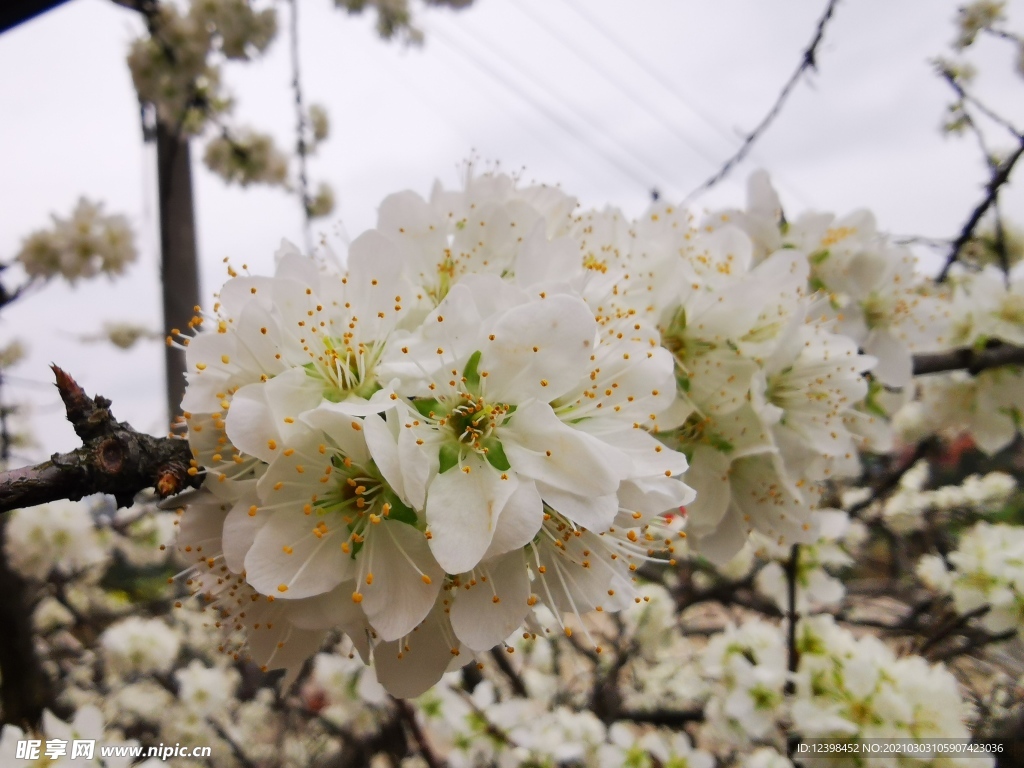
(135, 645)
(814, 584)
(986, 571)
(83, 245)
(853, 688)
(60, 536)
(988, 406)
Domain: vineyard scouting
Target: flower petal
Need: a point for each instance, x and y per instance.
(287, 553)
(462, 512)
(489, 611)
(406, 578)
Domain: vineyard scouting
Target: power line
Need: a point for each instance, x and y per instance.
(586, 58)
(566, 126)
(668, 86)
(652, 73)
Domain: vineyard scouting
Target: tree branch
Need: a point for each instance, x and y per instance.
(807, 61)
(974, 361)
(1000, 176)
(113, 459)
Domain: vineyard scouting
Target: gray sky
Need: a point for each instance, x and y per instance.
(572, 91)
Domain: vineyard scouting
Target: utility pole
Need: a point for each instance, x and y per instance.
(179, 270)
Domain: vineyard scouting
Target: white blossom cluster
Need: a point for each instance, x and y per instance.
(172, 67)
(985, 573)
(857, 688)
(844, 688)
(906, 508)
(462, 423)
(83, 245)
(423, 448)
(58, 536)
(246, 157)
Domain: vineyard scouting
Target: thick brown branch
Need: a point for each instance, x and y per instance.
(113, 459)
(974, 361)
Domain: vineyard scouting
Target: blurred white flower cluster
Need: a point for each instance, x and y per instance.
(857, 688)
(83, 245)
(247, 157)
(985, 574)
(172, 67)
(906, 508)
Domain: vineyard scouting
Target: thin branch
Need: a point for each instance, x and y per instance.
(514, 679)
(300, 118)
(791, 567)
(408, 716)
(1000, 176)
(668, 718)
(807, 61)
(114, 459)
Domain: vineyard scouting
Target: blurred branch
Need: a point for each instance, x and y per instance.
(974, 361)
(807, 61)
(999, 172)
(113, 459)
(408, 715)
(300, 117)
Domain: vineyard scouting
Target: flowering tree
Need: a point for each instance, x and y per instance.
(525, 484)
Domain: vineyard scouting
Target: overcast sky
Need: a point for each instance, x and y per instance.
(608, 98)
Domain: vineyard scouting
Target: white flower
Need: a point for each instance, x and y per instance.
(748, 664)
(135, 645)
(83, 245)
(987, 571)
(856, 687)
(247, 157)
(508, 406)
(206, 690)
(58, 536)
(814, 584)
(987, 406)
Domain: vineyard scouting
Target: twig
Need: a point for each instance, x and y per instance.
(999, 177)
(791, 567)
(300, 118)
(408, 716)
(236, 748)
(668, 718)
(807, 61)
(891, 480)
(518, 686)
(113, 459)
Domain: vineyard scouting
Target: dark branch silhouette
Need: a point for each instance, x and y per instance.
(808, 60)
(114, 459)
(974, 361)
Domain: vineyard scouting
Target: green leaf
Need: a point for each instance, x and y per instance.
(400, 512)
(820, 256)
(496, 455)
(471, 374)
(426, 407)
(719, 443)
(449, 457)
